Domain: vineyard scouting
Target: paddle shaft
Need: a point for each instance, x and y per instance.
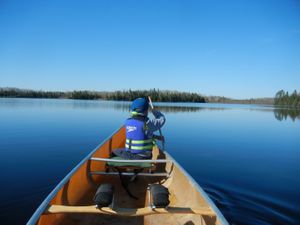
(160, 133)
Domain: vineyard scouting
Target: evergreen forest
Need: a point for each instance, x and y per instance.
(283, 98)
(125, 95)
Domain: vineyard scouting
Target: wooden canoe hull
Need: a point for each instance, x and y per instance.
(79, 187)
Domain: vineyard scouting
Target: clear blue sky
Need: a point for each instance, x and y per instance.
(238, 49)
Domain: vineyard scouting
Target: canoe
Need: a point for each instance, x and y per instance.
(71, 202)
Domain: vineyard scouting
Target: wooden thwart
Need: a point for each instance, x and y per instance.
(53, 209)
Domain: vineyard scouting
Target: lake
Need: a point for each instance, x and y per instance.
(245, 157)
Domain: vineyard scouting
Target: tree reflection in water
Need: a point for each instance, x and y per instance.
(284, 113)
(279, 113)
(124, 106)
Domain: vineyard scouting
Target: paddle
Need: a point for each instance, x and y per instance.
(160, 133)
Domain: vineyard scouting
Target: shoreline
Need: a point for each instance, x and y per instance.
(242, 102)
(129, 95)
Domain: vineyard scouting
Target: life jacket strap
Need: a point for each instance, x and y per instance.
(138, 146)
(129, 141)
(147, 141)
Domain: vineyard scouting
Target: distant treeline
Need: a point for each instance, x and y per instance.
(282, 98)
(126, 95)
(218, 99)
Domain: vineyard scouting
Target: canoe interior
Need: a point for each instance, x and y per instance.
(81, 187)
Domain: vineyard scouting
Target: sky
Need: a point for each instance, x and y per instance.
(238, 49)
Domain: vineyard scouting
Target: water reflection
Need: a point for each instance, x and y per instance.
(164, 107)
(245, 159)
(171, 108)
(283, 114)
(280, 114)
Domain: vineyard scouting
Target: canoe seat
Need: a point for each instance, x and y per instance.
(132, 168)
(132, 165)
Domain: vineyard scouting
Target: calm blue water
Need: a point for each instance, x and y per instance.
(245, 157)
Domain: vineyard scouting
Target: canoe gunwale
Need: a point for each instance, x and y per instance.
(202, 192)
(43, 206)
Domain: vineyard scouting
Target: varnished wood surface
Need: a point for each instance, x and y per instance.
(206, 211)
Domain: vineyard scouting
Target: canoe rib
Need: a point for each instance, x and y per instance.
(54, 209)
